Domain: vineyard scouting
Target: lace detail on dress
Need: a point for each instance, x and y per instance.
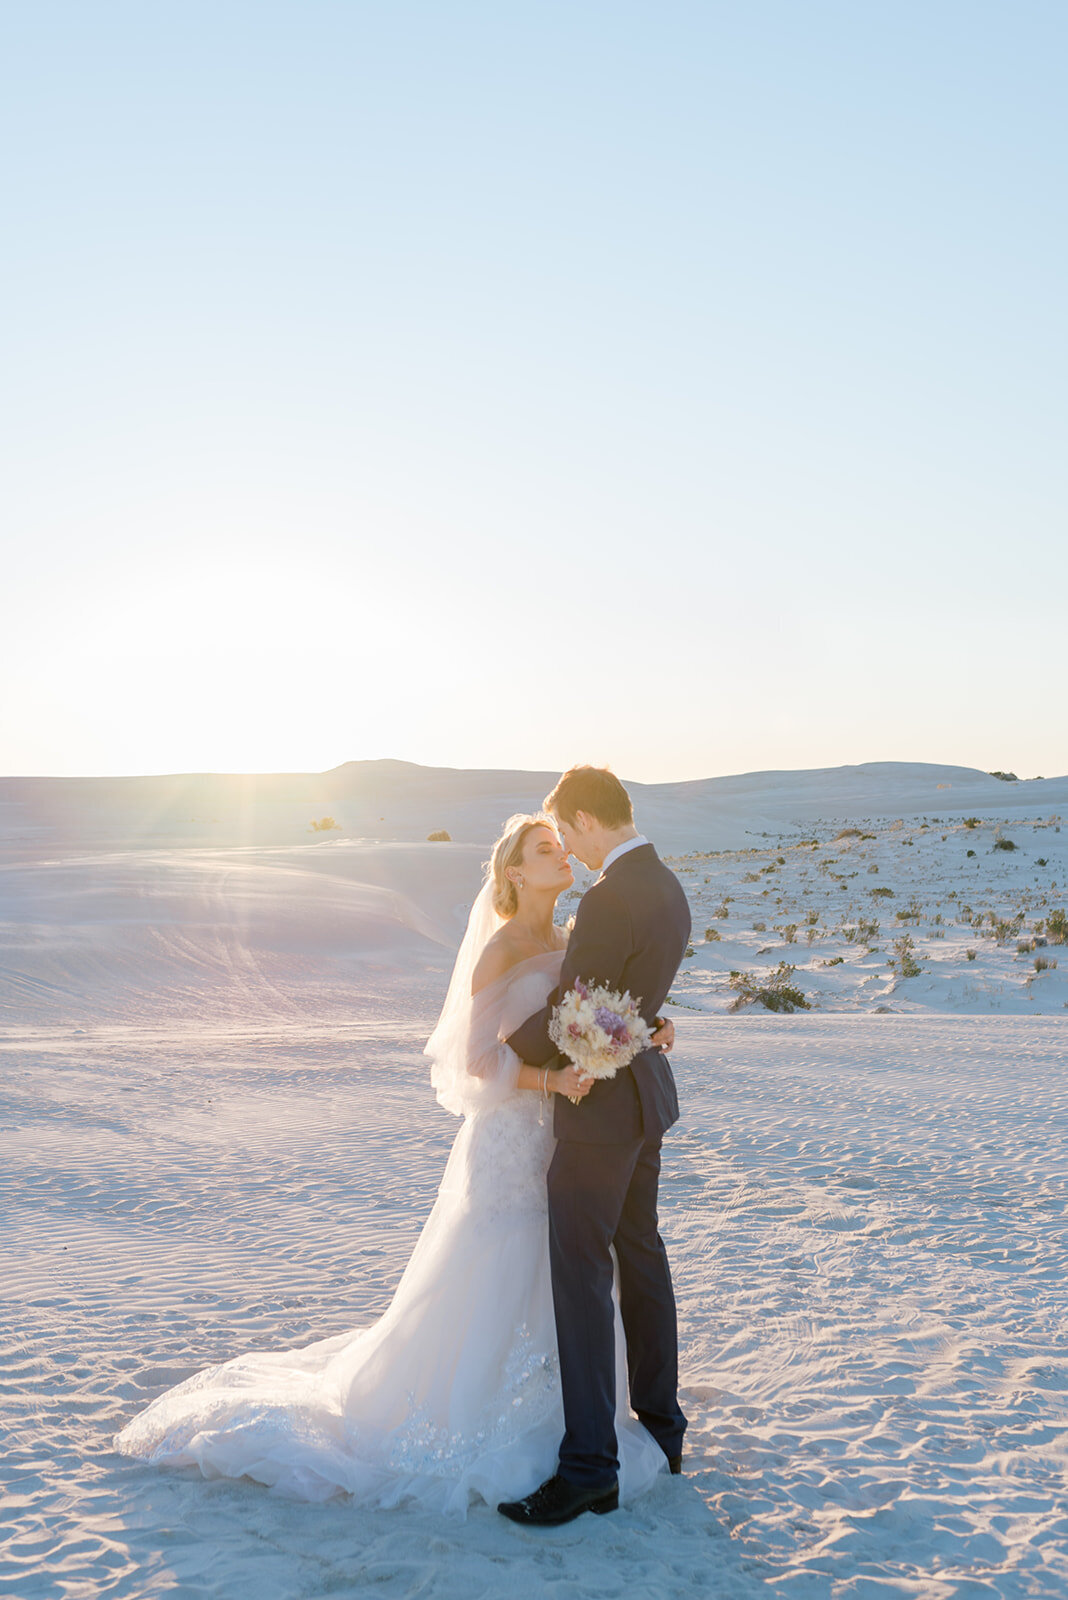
(529, 1396)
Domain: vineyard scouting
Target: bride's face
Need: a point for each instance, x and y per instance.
(545, 865)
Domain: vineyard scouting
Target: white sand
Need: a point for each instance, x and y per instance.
(948, 887)
(218, 1134)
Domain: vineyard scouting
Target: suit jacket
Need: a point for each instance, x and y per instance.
(630, 932)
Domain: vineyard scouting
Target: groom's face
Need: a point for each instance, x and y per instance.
(577, 839)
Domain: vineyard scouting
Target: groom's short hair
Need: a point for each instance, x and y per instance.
(594, 790)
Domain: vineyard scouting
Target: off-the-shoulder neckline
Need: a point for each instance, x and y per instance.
(528, 961)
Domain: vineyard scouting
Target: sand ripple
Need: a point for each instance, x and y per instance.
(867, 1220)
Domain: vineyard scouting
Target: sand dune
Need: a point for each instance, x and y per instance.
(155, 930)
(395, 800)
(150, 933)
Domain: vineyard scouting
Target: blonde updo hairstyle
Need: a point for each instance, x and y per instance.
(508, 852)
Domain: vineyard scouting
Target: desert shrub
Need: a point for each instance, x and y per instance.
(867, 930)
(1057, 927)
(833, 961)
(1006, 928)
(722, 910)
(904, 952)
(711, 936)
(324, 825)
(849, 833)
(971, 954)
(873, 868)
(1006, 777)
(1003, 844)
(910, 913)
(688, 951)
(788, 931)
(971, 852)
(973, 822)
(1041, 862)
(1042, 965)
(760, 927)
(883, 892)
(811, 918)
(777, 993)
(440, 836)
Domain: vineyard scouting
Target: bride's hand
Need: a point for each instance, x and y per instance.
(570, 1081)
(664, 1037)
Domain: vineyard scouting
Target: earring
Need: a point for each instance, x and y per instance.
(519, 882)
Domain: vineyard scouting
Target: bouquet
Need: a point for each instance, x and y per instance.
(598, 1029)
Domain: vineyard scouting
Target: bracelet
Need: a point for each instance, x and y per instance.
(545, 1083)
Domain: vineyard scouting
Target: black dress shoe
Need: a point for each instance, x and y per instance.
(675, 1466)
(558, 1501)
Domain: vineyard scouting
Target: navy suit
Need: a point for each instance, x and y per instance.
(630, 933)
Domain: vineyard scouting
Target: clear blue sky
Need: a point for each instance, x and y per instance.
(681, 386)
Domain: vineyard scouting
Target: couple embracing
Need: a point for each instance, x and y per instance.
(502, 1367)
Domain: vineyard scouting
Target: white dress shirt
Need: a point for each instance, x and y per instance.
(621, 850)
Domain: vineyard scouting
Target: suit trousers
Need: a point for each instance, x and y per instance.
(599, 1196)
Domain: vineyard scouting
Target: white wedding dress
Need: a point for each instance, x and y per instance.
(454, 1394)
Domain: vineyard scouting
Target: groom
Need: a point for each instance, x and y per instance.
(630, 933)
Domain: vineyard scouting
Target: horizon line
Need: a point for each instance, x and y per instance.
(397, 761)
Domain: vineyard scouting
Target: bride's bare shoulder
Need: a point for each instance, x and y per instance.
(500, 955)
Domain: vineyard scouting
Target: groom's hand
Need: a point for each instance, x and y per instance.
(664, 1037)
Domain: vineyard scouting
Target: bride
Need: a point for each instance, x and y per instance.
(454, 1394)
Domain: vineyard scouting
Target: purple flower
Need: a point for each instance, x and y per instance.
(581, 989)
(612, 1023)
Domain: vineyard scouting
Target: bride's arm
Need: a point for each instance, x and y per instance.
(544, 1080)
(494, 963)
